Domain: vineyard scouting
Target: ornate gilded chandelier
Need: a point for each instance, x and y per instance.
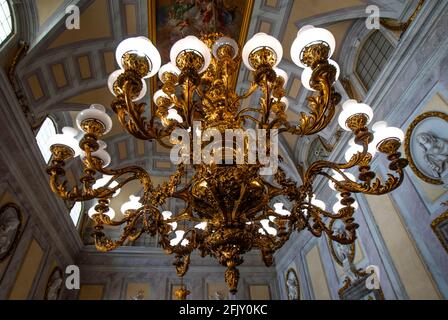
(230, 208)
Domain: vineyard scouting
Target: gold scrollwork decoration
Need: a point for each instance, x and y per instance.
(435, 224)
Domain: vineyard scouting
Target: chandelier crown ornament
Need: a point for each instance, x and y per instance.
(226, 155)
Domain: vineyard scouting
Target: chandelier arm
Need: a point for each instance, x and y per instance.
(137, 172)
(317, 166)
(253, 87)
(104, 243)
(274, 122)
(266, 101)
(377, 187)
(188, 105)
(140, 128)
(325, 102)
(109, 192)
(327, 214)
(60, 188)
(248, 110)
(319, 227)
(322, 119)
(246, 116)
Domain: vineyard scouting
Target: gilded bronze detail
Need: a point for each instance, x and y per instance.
(231, 199)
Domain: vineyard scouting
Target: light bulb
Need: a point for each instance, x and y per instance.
(267, 227)
(173, 115)
(179, 235)
(260, 41)
(191, 44)
(101, 154)
(95, 112)
(316, 202)
(352, 107)
(225, 41)
(382, 131)
(278, 208)
(103, 181)
(114, 76)
(132, 204)
(160, 94)
(201, 225)
(67, 138)
(281, 73)
(168, 68)
(142, 46)
(308, 35)
(355, 148)
(308, 72)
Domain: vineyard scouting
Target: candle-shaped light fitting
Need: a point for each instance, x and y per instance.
(311, 46)
(262, 50)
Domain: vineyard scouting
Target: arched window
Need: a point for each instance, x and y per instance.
(5, 21)
(46, 131)
(373, 55)
(75, 212)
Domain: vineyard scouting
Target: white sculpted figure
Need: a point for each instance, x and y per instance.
(54, 287)
(293, 293)
(9, 223)
(343, 251)
(435, 152)
(140, 295)
(219, 295)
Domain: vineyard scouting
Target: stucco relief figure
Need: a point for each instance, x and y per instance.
(54, 286)
(349, 267)
(219, 295)
(140, 295)
(292, 285)
(344, 254)
(435, 152)
(293, 294)
(9, 225)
